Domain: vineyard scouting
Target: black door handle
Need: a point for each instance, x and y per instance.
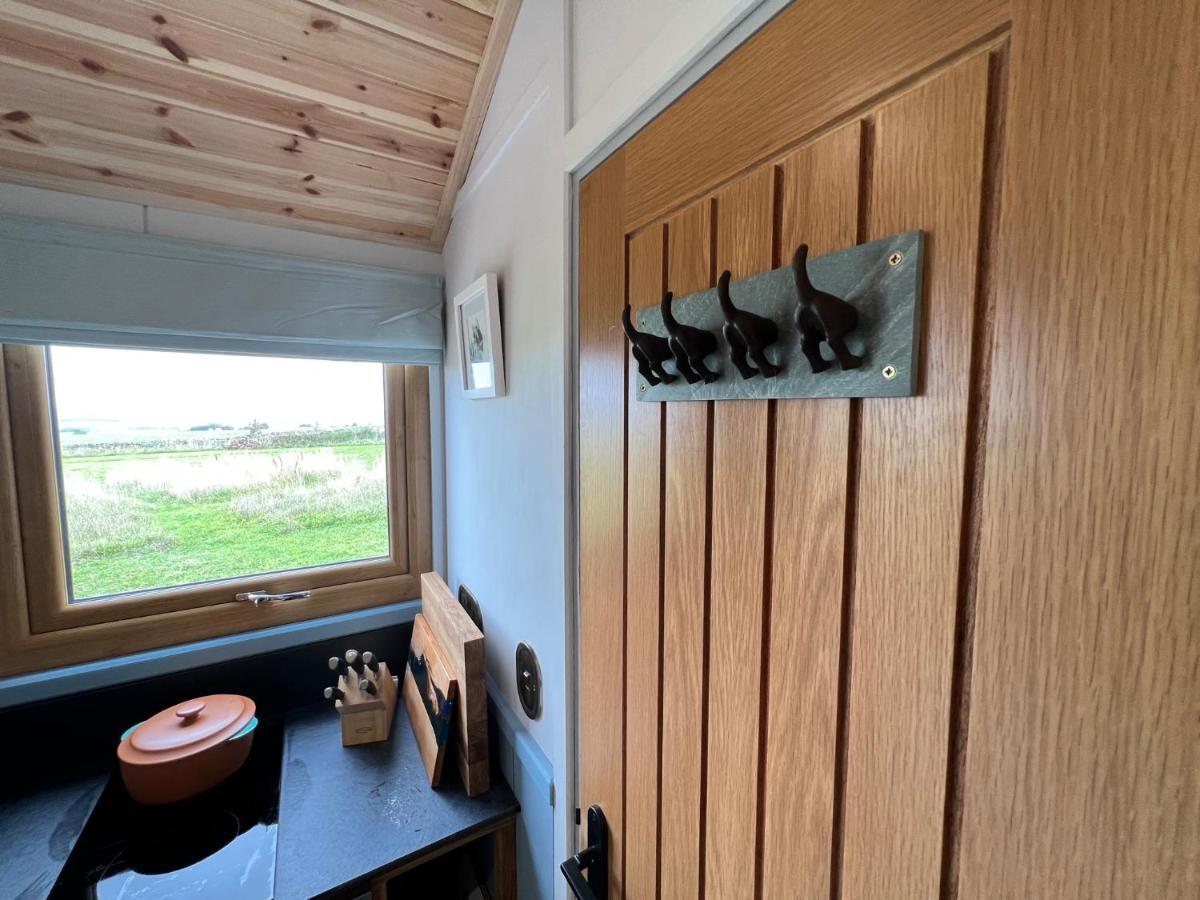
(593, 858)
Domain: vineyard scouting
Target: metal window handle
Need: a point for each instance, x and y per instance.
(257, 597)
(593, 858)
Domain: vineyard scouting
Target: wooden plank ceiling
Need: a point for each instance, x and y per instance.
(350, 117)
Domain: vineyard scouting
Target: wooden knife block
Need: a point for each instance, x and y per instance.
(367, 718)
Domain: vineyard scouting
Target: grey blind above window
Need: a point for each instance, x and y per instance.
(70, 284)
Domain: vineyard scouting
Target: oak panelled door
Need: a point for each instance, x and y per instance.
(934, 647)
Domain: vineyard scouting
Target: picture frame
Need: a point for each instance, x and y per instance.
(480, 339)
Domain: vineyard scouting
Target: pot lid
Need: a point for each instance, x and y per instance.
(187, 728)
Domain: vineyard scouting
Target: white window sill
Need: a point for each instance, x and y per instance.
(18, 689)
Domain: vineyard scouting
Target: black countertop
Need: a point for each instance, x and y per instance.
(346, 814)
(349, 813)
(39, 831)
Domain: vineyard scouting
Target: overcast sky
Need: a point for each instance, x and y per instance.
(178, 390)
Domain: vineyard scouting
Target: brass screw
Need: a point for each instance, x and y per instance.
(889, 372)
(896, 258)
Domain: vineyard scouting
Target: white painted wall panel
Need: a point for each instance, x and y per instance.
(505, 457)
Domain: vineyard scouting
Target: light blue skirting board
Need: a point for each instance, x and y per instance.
(531, 777)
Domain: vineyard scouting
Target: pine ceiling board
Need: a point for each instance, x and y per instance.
(486, 7)
(417, 237)
(349, 117)
(42, 96)
(108, 150)
(150, 179)
(359, 54)
(303, 73)
(167, 81)
(170, 175)
(481, 97)
(441, 24)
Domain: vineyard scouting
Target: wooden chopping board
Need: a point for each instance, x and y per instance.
(462, 643)
(430, 694)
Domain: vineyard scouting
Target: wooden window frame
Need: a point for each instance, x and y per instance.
(40, 629)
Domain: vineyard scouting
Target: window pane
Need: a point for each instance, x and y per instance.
(187, 467)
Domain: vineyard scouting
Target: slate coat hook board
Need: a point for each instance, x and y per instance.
(860, 306)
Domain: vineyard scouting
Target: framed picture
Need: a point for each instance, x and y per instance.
(480, 343)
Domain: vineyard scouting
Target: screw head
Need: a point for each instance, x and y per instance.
(642, 388)
(896, 258)
(889, 372)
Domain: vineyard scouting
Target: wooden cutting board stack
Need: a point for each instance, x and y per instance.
(430, 694)
(460, 644)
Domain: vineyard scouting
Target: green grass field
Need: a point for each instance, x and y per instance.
(139, 520)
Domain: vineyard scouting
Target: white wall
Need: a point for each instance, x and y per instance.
(505, 457)
(625, 52)
(607, 37)
(19, 200)
(506, 462)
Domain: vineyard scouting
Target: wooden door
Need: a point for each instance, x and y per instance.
(943, 646)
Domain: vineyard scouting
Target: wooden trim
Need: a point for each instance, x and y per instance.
(14, 613)
(504, 862)
(477, 106)
(45, 629)
(38, 498)
(396, 449)
(504, 834)
(419, 469)
(26, 652)
(643, 589)
(602, 370)
(729, 127)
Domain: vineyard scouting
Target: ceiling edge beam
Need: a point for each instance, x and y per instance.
(477, 107)
(184, 204)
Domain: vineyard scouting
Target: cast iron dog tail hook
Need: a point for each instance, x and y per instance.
(689, 345)
(747, 334)
(650, 351)
(822, 317)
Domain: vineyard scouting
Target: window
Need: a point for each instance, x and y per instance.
(179, 468)
(149, 488)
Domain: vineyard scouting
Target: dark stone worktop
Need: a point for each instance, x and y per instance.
(349, 813)
(38, 831)
(346, 814)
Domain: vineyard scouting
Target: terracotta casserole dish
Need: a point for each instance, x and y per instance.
(187, 749)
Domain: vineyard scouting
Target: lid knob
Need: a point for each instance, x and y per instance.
(189, 711)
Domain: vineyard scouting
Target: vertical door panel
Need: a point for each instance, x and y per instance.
(928, 157)
(685, 586)
(643, 591)
(745, 217)
(1083, 774)
(796, 582)
(818, 187)
(815, 61)
(601, 499)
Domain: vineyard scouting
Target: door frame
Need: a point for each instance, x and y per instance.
(701, 60)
